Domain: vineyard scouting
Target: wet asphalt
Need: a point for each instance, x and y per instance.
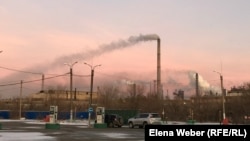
(28, 131)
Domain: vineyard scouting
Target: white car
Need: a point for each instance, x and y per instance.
(142, 119)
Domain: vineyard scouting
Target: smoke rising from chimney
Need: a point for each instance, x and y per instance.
(105, 48)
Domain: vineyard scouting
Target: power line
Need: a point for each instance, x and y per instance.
(44, 78)
(10, 84)
(17, 83)
(20, 70)
(37, 72)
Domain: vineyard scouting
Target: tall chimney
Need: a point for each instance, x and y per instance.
(159, 87)
(197, 84)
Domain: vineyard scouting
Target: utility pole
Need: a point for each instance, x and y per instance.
(91, 87)
(71, 87)
(20, 100)
(223, 95)
(42, 83)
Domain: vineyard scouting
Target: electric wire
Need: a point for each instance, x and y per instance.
(17, 83)
(20, 70)
(37, 73)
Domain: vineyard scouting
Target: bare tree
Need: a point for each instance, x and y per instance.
(108, 96)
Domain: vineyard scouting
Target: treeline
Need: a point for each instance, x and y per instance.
(200, 108)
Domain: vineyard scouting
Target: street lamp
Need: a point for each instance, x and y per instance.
(71, 74)
(91, 82)
(223, 97)
(91, 85)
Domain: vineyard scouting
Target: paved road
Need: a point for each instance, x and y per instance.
(29, 131)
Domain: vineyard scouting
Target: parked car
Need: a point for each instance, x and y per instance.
(142, 119)
(113, 120)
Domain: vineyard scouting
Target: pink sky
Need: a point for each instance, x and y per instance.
(195, 36)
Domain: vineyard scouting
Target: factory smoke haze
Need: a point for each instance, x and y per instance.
(105, 48)
(171, 79)
(40, 69)
(84, 55)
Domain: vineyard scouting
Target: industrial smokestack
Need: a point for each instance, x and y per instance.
(105, 48)
(159, 86)
(132, 40)
(158, 81)
(159, 91)
(197, 84)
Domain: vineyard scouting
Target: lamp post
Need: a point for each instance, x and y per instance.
(91, 85)
(71, 85)
(223, 95)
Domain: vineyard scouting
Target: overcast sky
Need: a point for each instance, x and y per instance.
(196, 36)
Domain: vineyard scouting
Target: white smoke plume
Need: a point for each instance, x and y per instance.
(202, 82)
(185, 80)
(204, 85)
(105, 48)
